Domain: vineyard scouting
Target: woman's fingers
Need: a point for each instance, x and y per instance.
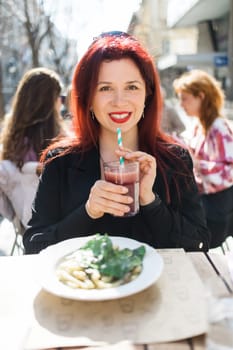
(148, 166)
(135, 156)
(108, 198)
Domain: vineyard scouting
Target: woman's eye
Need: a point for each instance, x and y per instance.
(104, 88)
(132, 87)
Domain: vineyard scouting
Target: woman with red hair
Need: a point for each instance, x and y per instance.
(116, 84)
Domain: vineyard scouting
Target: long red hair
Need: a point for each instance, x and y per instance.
(151, 138)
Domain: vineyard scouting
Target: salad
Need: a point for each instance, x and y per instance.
(99, 264)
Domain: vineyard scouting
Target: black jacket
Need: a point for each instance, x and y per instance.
(59, 209)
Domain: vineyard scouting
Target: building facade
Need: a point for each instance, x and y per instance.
(198, 34)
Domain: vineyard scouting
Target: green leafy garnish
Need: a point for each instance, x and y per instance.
(112, 261)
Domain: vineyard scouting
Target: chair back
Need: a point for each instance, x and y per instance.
(17, 246)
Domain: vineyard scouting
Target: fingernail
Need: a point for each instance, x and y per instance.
(124, 189)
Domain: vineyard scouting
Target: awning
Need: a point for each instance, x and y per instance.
(191, 12)
(211, 59)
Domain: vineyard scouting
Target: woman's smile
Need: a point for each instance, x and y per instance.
(120, 117)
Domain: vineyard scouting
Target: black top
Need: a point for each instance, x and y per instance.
(59, 209)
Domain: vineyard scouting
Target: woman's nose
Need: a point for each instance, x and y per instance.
(119, 97)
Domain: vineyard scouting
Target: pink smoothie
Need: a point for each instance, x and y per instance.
(129, 180)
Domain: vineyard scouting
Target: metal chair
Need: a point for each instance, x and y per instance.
(227, 245)
(17, 247)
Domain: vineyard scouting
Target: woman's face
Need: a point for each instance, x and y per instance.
(190, 103)
(120, 94)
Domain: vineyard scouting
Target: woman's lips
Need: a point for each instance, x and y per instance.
(120, 117)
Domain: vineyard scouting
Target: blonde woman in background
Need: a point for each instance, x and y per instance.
(211, 145)
(28, 129)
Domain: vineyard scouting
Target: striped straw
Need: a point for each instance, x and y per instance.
(119, 141)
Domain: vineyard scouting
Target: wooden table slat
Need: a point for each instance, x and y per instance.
(221, 264)
(206, 272)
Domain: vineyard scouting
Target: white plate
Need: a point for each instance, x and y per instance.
(49, 257)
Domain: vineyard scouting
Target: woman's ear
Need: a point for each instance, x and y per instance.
(202, 95)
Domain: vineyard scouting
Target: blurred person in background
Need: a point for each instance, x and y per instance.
(66, 112)
(211, 145)
(63, 105)
(33, 122)
(171, 122)
(68, 102)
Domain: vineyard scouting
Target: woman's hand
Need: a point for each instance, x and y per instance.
(147, 165)
(106, 197)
